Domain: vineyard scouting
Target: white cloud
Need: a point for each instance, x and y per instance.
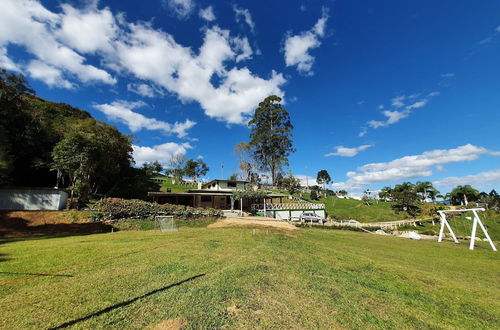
(148, 54)
(207, 14)
(497, 29)
(348, 152)
(399, 102)
(363, 132)
(297, 47)
(161, 152)
(144, 90)
(306, 180)
(122, 111)
(410, 167)
(181, 8)
(28, 24)
(189, 75)
(6, 63)
(480, 180)
(48, 74)
(88, 30)
(243, 13)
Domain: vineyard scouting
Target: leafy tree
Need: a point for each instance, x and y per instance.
(195, 169)
(291, 184)
(493, 193)
(314, 194)
(176, 163)
(406, 198)
(386, 194)
(323, 178)
(233, 177)
(342, 192)
(426, 190)
(279, 180)
(271, 136)
(463, 195)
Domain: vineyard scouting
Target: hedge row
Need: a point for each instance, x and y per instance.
(117, 208)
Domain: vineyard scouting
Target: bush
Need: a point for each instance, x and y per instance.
(117, 208)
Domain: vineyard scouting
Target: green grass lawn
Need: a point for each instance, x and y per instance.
(309, 279)
(174, 187)
(354, 209)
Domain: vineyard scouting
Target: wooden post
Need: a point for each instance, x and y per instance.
(241, 207)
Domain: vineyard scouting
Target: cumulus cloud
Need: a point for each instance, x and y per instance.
(189, 75)
(244, 14)
(411, 167)
(480, 180)
(48, 74)
(161, 152)
(207, 14)
(123, 112)
(404, 105)
(181, 8)
(60, 42)
(28, 24)
(348, 152)
(144, 90)
(297, 46)
(447, 75)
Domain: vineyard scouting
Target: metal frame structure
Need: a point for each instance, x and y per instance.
(477, 221)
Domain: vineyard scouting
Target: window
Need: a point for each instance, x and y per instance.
(231, 184)
(206, 198)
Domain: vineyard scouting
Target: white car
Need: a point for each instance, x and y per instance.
(311, 217)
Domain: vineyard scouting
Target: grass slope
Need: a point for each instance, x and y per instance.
(315, 279)
(341, 208)
(174, 187)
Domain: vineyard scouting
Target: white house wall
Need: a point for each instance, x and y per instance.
(32, 200)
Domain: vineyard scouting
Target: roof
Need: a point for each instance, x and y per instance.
(223, 180)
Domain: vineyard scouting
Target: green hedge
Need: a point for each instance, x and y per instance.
(117, 208)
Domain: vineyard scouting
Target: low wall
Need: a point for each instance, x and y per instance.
(32, 199)
(292, 214)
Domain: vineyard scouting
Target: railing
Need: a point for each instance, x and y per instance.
(288, 206)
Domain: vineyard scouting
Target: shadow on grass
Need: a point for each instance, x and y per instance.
(125, 303)
(37, 274)
(17, 228)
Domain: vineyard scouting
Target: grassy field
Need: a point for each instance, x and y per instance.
(340, 208)
(174, 187)
(229, 277)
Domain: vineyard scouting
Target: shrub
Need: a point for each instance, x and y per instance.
(117, 208)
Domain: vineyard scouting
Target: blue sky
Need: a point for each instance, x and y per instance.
(379, 92)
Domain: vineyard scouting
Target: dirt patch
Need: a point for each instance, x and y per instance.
(36, 223)
(234, 310)
(252, 222)
(171, 324)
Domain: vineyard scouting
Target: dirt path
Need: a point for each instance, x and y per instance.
(252, 222)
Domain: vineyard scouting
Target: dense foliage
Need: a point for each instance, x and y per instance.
(43, 143)
(271, 136)
(117, 208)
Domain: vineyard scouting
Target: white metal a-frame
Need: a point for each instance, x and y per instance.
(477, 221)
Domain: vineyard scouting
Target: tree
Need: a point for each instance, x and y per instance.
(76, 157)
(233, 177)
(463, 195)
(366, 200)
(246, 164)
(195, 169)
(342, 192)
(314, 194)
(426, 190)
(153, 168)
(176, 163)
(271, 136)
(323, 178)
(291, 184)
(406, 198)
(386, 194)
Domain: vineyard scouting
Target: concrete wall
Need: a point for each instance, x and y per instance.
(32, 199)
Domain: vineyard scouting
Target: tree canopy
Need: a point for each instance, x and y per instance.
(271, 136)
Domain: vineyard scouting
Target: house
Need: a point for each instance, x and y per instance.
(215, 194)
